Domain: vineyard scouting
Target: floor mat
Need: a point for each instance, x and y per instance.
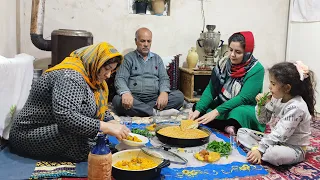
(226, 167)
(48, 169)
(14, 167)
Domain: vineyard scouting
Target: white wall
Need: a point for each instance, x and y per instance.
(109, 21)
(303, 44)
(8, 38)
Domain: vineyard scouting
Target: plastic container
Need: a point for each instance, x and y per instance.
(100, 160)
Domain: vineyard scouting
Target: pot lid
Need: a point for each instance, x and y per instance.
(161, 153)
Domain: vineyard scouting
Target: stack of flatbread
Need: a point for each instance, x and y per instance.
(188, 124)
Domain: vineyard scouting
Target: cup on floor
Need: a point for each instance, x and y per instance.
(233, 141)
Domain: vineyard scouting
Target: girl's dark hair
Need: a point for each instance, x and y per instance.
(116, 59)
(237, 37)
(287, 73)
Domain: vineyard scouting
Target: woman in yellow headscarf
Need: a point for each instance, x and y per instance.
(67, 106)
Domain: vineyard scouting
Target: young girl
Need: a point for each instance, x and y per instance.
(288, 113)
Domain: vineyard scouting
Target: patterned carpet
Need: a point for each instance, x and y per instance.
(310, 169)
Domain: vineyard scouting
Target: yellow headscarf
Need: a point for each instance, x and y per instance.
(87, 61)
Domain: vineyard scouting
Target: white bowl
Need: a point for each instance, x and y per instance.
(144, 140)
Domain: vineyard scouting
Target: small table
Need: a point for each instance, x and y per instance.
(191, 80)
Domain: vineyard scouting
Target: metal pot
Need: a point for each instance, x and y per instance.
(147, 174)
(178, 142)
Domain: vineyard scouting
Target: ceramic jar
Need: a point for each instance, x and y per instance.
(158, 6)
(192, 58)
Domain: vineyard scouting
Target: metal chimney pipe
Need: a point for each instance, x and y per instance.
(36, 28)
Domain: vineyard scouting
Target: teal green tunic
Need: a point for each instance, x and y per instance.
(240, 107)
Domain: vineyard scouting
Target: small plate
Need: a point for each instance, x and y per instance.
(213, 157)
(144, 140)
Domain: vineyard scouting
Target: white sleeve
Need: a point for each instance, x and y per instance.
(284, 128)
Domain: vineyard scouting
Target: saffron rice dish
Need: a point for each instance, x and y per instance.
(178, 132)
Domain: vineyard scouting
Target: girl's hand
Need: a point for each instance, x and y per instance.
(254, 157)
(193, 114)
(261, 96)
(205, 119)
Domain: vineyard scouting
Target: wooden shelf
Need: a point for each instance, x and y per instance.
(191, 80)
(191, 71)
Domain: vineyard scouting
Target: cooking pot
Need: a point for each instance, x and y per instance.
(147, 174)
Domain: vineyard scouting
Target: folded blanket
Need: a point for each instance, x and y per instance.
(15, 82)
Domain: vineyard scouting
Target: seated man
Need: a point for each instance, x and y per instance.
(142, 83)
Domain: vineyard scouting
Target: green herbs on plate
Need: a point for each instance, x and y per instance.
(143, 132)
(221, 147)
(262, 102)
